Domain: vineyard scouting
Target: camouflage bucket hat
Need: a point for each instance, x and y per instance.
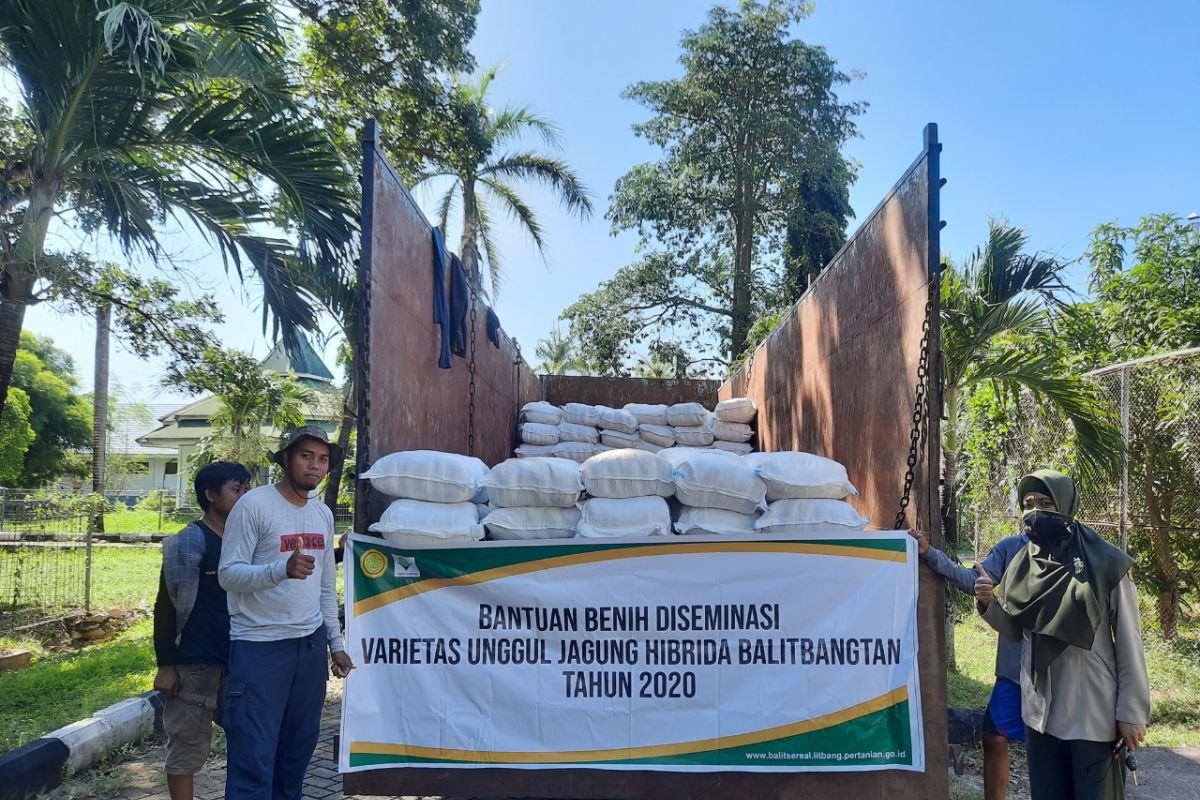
(293, 436)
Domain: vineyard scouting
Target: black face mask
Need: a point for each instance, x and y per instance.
(1047, 526)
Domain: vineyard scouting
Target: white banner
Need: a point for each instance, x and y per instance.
(669, 653)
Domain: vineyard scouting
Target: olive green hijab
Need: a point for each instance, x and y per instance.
(1059, 590)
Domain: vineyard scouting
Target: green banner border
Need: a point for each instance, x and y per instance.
(886, 730)
(455, 562)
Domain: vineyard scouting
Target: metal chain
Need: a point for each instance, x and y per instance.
(920, 414)
(471, 387)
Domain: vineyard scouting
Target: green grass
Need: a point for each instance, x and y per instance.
(125, 576)
(60, 689)
(1174, 678)
(134, 521)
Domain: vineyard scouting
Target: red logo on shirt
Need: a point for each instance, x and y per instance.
(309, 541)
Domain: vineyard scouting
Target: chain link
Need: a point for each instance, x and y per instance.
(471, 386)
(920, 414)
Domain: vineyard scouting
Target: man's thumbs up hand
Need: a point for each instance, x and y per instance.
(300, 566)
(983, 587)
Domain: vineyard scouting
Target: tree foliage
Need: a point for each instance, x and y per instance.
(178, 109)
(251, 398)
(387, 59)
(61, 418)
(558, 355)
(149, 316)
(751, 193)
(997, 331)
(16, 435)
(1145, 283)
(482, 159)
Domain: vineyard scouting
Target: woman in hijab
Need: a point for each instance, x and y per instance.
(1085, 696)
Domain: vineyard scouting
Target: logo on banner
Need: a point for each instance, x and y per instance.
(373, 564)
(406, 567)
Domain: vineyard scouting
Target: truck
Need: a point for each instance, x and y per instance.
(851, 373)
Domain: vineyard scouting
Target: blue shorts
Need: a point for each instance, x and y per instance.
(1003, 714)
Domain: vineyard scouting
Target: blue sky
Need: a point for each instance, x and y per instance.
(1054, 116)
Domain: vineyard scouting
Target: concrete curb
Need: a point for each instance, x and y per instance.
(43, 764)
(10, 537)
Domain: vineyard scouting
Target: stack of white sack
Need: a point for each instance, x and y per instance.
(437, 496)
(618, 427)
(719, 493)
(648, 414)
(732, 430)
(738, 410)
(579, 432)
(539, 424)
(578, 452)
(570, 432)
(626, 495)
(661, 435)
(804, 493)
(583, 430)
(581, 414)
(533, 498)
(687, 415)
(696, 435)
(542, 413)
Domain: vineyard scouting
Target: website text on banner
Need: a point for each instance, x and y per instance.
(711, 654)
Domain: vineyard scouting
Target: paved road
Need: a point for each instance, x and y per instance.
(1165, 774)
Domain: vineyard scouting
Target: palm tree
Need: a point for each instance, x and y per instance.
(558, 355)
(481, 174)
(250, 397)
(654, 367)
(182, 109)
(996, 325)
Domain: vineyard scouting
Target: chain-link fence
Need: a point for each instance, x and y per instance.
(40, 581)
(46, 547)
(1150, 506)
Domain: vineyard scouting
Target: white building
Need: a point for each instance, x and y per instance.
(179, 430)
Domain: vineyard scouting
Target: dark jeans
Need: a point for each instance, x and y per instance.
(1072, 769)
(273, 702)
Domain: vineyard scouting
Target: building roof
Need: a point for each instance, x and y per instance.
(133, 421)
(302, 360)
(188, 424)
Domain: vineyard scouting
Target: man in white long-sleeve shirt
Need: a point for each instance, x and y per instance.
(278, 570)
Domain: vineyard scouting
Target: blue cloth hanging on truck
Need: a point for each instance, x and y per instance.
(441, 307)
(460, 302)
(493, 328)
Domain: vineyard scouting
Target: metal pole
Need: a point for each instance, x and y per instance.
(87, 569)
(1123, 529)
(978, 543)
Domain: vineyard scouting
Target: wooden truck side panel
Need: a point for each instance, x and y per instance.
(837, 378)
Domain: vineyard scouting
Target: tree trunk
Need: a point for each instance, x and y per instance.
(12, 319)
(338, 467)
(1168, 590)
(950, 469)
(949, 508)
(19, 275)
(100, 408)
(743, 272)
(468, 246)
